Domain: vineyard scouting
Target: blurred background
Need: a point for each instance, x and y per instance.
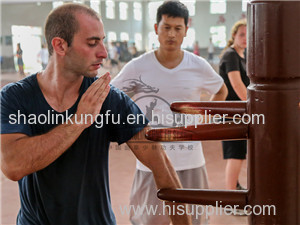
(128, 24)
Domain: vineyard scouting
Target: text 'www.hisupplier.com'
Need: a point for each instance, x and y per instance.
(198, 210)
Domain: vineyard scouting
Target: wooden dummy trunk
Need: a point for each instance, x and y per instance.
(273, 59)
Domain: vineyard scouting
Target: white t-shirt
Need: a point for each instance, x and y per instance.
(154, 87)
(113, 52)
(44, 55)
(211, 48)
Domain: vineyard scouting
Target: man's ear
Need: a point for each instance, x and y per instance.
(60, 46)
(186, 29)
(155, 28)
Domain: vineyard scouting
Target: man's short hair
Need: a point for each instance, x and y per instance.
(173, 9)
(62, 22)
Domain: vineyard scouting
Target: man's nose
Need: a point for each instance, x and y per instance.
(171, 33)
(101, 51)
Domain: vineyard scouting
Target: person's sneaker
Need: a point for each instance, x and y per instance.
(239, 187)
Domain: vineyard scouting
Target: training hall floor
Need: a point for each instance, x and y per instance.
(122, 166)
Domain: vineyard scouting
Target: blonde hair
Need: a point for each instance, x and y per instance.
(234, 30)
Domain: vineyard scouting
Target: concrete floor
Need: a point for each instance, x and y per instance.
(122, 165)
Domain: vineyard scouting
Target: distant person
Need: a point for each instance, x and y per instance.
(125, 55)
(20, 62)
(210, 50)
(233, 70)
(43, 56)
(196, 49)
(113, 54)
(153, 46)
(156, 79)
(133, 51)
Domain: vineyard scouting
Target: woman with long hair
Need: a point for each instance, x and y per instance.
(233, 70)
(19, 55)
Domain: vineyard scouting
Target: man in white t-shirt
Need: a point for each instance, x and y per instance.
(43, 56)
(210, 50)
(155, 80)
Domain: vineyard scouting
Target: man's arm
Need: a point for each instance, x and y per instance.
(22, 155)
(158, 162)
(220, 95)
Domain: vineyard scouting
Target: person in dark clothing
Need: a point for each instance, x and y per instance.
(20, 62)
(233, 70)
(54, 141)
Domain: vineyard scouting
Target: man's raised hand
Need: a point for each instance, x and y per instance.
(91, 101)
